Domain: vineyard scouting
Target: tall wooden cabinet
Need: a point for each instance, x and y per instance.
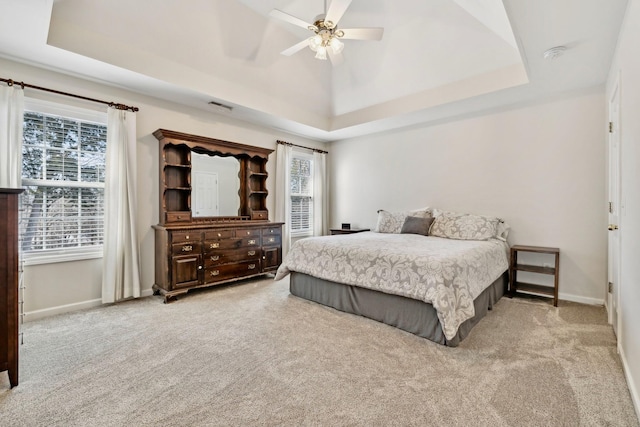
(9, 283)
(193, 252)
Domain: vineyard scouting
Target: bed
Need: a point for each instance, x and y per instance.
(435, 287)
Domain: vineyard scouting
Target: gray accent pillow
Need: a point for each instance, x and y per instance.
(416, 225)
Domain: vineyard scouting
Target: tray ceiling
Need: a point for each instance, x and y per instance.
(438, 58)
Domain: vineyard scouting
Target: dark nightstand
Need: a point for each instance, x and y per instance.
(335, 231)
(517, 286)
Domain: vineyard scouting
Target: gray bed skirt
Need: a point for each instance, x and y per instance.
(411, 315)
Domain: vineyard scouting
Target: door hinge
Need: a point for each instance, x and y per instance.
(610, 207)
(610, 127)
(610, 288)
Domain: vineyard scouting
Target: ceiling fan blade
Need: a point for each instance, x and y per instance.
(335, 58)
(275, 13)
(296, 48)
(362, 33)
(336, 10)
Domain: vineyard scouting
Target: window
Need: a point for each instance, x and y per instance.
(63, 173)
(301, 194)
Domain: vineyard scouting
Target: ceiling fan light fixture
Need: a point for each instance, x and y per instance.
(321, 53)
(336, 45)
(315, 42)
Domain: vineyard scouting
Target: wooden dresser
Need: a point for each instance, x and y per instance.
(9, 283)
(239, 241)
(200, 256)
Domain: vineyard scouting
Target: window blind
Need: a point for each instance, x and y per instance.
(301, 194)
(63, 171)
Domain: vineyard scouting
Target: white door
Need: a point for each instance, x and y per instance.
(614, 209)
(205, 198)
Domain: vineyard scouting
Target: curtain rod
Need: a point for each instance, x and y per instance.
(302, 146)
(110, 104)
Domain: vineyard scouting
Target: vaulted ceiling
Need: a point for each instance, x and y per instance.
(438, 59)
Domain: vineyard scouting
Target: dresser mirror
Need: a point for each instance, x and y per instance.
(215, 185)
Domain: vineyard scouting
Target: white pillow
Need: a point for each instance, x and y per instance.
(463, 226)
(391, 222)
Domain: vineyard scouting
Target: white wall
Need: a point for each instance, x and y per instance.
(539, 167)
(53, 288)
(626, 66)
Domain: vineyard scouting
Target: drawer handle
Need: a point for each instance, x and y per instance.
(272, 239)
(179, 216)
(252, 242)
(271, 230)
(248, 233)
(215, 272)
(252, 266)
(187, 236)
(214, 245)
(215, 257)
(219, 234)
(187, 248)
(251, 253)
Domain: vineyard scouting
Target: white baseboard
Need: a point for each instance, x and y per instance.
(581, 299)
(633, 390)
(52, 311)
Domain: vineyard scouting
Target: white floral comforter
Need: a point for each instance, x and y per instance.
(447, 273)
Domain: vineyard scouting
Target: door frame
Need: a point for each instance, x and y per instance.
(613, 299)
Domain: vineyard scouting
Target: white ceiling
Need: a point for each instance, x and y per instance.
(438, 59)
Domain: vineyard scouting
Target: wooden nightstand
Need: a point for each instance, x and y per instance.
(515, 286)
(335, 231)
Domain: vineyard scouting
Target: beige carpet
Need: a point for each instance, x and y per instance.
(252, 354)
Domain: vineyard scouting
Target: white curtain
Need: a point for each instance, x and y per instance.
(121, 263)
(11, 118)
(320, 195)
(283, 193)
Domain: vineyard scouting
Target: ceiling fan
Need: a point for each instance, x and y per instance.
(327, 37)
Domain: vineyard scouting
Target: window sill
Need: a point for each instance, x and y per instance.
(51, 257)
(301, 234)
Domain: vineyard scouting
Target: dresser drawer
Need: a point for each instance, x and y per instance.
(219, 234)
(185, 236)
(186, 248)
(182, 216)
(260, 215)
(247, 232)
(212, 245)
(231, 256)
(229, 271)
(270, 231)
(271, 240)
